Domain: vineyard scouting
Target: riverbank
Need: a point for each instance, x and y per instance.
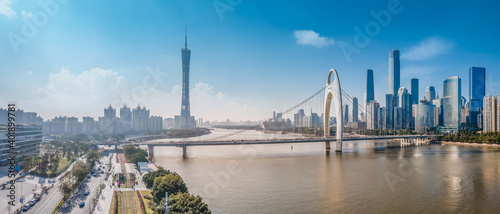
(468, 144)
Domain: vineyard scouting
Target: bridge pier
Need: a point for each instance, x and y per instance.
(151, 152)
(116, 147)
(184, 151)
(338, 147)
(327, 146)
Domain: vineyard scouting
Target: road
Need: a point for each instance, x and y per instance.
(49, 200)
(88, 184)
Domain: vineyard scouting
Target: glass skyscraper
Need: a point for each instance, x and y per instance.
(370, 90)
(476, 87)
(414, 91)
(394, 78)
(452, 104)
(477, 92)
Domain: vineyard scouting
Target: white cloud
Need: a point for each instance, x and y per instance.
(77, 94)
(27, 14)
(88, 93)
(428, 48)
(29, 73)
(309, 37)
(6, 8)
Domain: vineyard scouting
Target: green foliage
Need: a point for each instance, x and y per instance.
(92, 157)
(150, 177)
(472, 137)
(137, 157)
(65, 188)
(79, 171)
(171, 183)
(187, 203)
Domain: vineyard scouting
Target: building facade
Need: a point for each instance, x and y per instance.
(372, 115)
(477, 91)
(452, 104)
(370, 87)
(414, 91)
(28, 140)
(394, 72)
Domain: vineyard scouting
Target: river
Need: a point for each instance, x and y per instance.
(367, 177)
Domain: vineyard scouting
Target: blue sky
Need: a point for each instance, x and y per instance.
(248, 57)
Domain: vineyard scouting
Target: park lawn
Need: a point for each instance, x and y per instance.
(62, 163)
(146, 201)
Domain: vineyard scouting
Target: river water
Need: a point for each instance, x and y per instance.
(367, 177)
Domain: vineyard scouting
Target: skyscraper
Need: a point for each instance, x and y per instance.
(185, 121)
(125, 118)
(452, 104)
(389, 107)
(430, 93)
(353, 113)
(370, 91)
(424, 116)
(490, 113)
(394, 78)
(346, 113)
(404, 102)
(476, 87)
(477, 91)
(414, 91)
(372, 115)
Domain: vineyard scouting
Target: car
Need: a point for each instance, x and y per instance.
(32, 202)
(37, 198)
(26, 207)
(82, 204)
(86, 192)
(88, 176)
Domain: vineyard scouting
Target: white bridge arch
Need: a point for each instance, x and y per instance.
(333, 91)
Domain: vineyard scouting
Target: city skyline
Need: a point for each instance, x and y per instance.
(97, 62)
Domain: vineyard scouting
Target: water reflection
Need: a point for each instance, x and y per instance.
(305, 179)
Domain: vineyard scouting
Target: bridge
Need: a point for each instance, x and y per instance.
(151, 146)
(332, 93)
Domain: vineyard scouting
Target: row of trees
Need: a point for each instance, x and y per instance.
(180, 200)
(78, 172)
(472, 137)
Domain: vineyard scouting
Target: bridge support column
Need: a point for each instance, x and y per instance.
(151, 150)
(338, 147)
(327, 146)
(184, 151)
(116, 147)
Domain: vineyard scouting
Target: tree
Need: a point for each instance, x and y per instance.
(93, 157)
(150, 177)
(28, 162)
(187, 203)
(65, 187)
(171, 183)
(137, 157)
(79, 171)
(55, 163)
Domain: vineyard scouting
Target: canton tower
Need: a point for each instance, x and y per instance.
(185, 120)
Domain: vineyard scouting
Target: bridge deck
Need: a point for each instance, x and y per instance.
(278, 141)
